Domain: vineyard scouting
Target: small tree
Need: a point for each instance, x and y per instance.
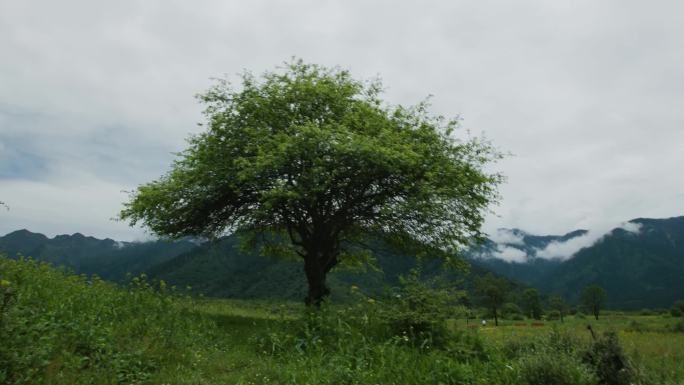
(559, 304)
(532, 303)
(493, 291)
(309, 162)
(593, 299)
(677, 309)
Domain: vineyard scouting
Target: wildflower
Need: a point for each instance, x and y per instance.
(371, 300)
(4, 283)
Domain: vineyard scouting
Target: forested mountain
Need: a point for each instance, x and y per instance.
(107, 258)
(221, 269)
(638, 268)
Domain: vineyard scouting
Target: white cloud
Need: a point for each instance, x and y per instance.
(566, 250)
(511, 254)
(507, 236)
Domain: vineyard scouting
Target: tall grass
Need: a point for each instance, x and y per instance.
(60, 328)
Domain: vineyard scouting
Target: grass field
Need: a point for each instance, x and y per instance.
(57, 328)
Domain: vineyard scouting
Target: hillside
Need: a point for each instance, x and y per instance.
(107, 258)
(638, 269)
(221, 269)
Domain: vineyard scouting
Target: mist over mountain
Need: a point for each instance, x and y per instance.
(640, 263)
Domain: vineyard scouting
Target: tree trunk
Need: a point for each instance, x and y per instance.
(496, 319)
(315, 276)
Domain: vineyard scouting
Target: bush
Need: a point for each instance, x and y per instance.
(553, 315)
(676, 312)
(557, 369)
(635, 326)
(580, 315)
(679, 305)
(678, 327)
(608, 361)
(510, 311)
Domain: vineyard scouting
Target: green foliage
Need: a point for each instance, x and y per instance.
(558, 304)
(553, 315)
(678, 327)
(679, 305)
(493, 292)
(532, 303)
(609, 362)
(511, 311)
(557, 369)
(593, 299)
(311, 155)
(56, 325)
(677, 309)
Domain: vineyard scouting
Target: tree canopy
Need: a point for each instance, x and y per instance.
(532, 303)
(493, 291)
(594, 298)
(315, 162)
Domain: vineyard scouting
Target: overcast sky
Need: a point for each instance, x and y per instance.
(95, 96)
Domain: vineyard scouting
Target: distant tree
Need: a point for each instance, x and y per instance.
(532, 303)
(309, 163)
(493, 291)
(510, 310)
(593, 299)
(677, 309)
(559, 304)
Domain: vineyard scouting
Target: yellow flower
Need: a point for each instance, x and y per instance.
(4, 283)
(371, 300)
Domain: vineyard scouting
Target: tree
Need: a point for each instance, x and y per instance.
(593, 299)
(677, 309)
(308, 162)
(532, 303)
(558, 303)
(493, 291)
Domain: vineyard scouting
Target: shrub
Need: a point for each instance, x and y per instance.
(608, 361)
(580, 315)
(511, 311)
(553, 315)
(676, 312)
(418, 310)
(679, 305)
(678, 327)
(635, 326)
(557, 369)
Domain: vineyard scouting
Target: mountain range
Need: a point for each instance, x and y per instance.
(640, 264)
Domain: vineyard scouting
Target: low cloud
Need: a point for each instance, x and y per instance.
(566, 250)
(507, 237)
(511, 254)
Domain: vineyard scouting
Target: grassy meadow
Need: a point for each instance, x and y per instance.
(57, 328)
